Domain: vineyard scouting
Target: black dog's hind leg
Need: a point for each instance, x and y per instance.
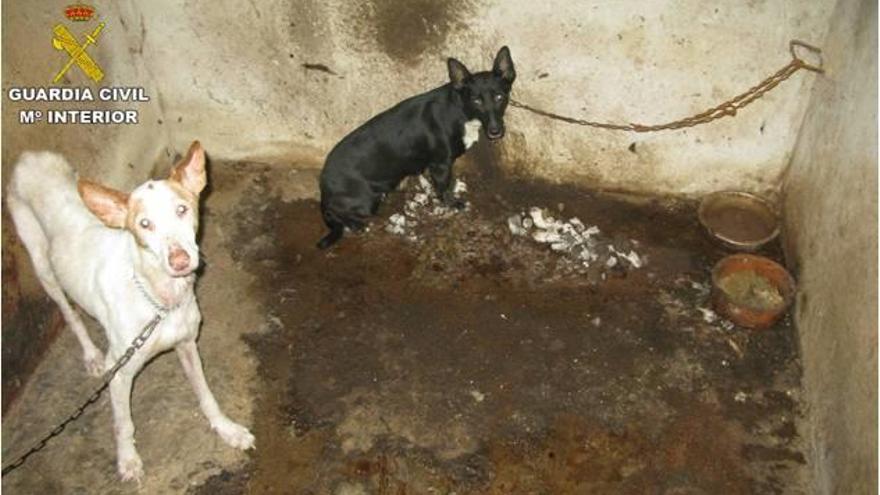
(354, 215)
(441, 174)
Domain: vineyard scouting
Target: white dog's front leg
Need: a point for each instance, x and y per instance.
(128, 461)
(231, 432)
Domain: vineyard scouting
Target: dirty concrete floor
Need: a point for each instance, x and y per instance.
(469, 361)
(472, 361)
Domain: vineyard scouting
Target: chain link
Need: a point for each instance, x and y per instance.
(728, 108)
(136, 344)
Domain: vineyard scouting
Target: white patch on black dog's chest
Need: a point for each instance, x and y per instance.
(471, 132)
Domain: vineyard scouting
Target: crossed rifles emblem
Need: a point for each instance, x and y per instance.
(65, 40)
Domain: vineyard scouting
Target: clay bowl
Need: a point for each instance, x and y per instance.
(739, 220)
(751, 291)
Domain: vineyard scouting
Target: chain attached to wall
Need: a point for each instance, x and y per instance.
(728, 108)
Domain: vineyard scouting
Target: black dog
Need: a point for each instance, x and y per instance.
(428, 131)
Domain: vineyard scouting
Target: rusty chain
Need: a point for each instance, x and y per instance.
(728, 108)
(136, 344)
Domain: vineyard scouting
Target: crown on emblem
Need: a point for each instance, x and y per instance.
(79, 12)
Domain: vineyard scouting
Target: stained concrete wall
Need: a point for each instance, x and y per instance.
(283, 81)
(831, 229)
(234, 74)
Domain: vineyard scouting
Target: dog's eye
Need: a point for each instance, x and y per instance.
(478, 102)
(145, 223)
(181, 210)
(499, 97)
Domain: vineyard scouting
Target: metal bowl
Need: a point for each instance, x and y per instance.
(739, 220)
(751, 291)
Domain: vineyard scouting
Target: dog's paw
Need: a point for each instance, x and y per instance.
(131, 468)
(94, 362)
(234, 434)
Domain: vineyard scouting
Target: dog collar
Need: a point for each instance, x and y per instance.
(142, 288)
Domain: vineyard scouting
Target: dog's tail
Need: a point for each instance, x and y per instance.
(337, 228)
(45, 183)
(37, 172)
(332, 237)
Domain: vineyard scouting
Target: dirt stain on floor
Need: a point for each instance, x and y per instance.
(469, 362)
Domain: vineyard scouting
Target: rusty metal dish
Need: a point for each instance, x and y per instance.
(751, 291)
(739, 220)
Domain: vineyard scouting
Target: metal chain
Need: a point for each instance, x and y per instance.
(728, 108)
(136, 344)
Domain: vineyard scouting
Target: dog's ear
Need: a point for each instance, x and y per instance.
(458, 73)
(190, 171)
(109, 205)
(503, 65)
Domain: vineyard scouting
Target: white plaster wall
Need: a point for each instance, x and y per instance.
(231, 74)
(831, 229)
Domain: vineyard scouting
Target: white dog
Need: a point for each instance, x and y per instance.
(122, 258)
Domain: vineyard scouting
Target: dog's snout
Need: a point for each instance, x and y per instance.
(178, 259)
(495, 132)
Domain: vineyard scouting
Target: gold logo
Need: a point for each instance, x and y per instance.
(65, 40)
